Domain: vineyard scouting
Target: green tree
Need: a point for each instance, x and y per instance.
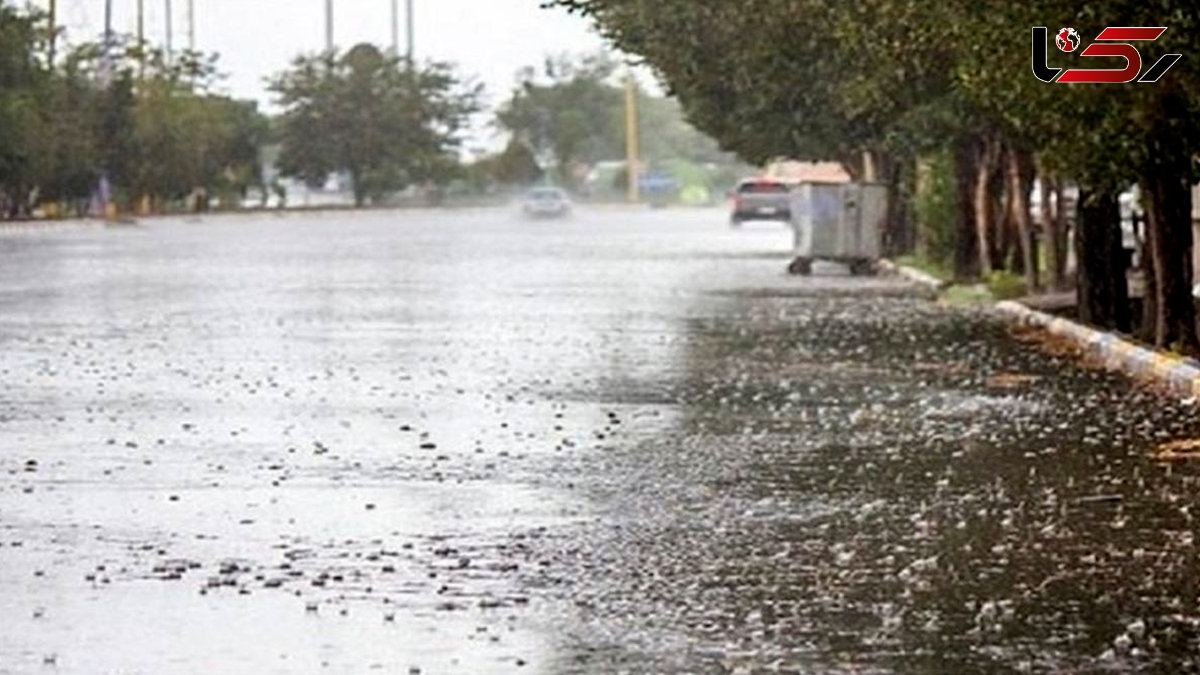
(386, 123)
(68, 152)
(667, 135)
(153, 128)
(568, 114)
(21, 77)
(516, 165)
(889, 81)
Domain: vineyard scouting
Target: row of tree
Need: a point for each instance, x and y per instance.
(115, 122)
(888, 86)
(118, 124)
(573, 113)
(385, 122)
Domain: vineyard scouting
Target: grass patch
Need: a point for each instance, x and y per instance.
(999, 285)
(1006, 285)
(966, 296)
(933, 268)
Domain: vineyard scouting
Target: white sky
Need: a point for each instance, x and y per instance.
(488, 39)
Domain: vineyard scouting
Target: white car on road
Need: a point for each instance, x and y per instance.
(546, 202)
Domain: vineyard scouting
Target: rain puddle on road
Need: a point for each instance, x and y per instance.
(877, 485)
(459, 442)
(312, 443)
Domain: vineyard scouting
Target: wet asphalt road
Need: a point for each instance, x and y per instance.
(463, 442)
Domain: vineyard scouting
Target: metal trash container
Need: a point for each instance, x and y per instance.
(839, 222)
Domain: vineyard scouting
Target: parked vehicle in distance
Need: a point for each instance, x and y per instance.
(546, 202)
(761, 199)
(658, 189)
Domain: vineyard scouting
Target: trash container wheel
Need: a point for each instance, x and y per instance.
(800, 267)
(862, 268)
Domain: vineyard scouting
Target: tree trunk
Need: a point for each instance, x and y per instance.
(1148, 330)
(1018, 190)
(1102, 288)
(966, 252)
(1166, 186)
(853, 164)
(1062, 226)
(870, 174)
(1050, 233)
(984, 207)
(1007, 254)
(898, 238)
(360, 192)
(1169, 242)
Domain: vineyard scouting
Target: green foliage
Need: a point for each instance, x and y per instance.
(24, 131)
(775, 78)
(568, 114)
(934, 206)
(819, 79)
(152, 127)
(967, 295)
(385, 122)
(936, 268)
(667, 136)
(514, 166)
(572, 113)
(1005, 285)
(517, 165)
(897, 80)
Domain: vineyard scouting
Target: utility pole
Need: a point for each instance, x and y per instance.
(53, 29)
(411, 32)
(329, 25)
(632, 150)
(104, 189)
(141, 38)
(395, 28)
(191, 25)
(108, 34)
(170, 34)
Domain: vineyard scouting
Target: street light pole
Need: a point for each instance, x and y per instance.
(53, 29)
(191, 9)
(108, 28)
(411, 31)
(329, 25)
(396, 28)
(104, 189)
(170, 34)
(141, 38)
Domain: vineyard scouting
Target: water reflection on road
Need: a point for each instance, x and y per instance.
(463, 442)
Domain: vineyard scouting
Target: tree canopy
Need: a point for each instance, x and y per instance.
(572, 112)
(150, 125)
(384, 121)
(877, 84)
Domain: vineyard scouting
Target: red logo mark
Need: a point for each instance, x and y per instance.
(1117, 39)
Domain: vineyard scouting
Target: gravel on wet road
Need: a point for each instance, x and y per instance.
(626, 442)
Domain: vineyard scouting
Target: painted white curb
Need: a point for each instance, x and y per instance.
(914, 275)
(1178, 374)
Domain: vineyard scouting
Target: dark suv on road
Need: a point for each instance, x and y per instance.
(761, 199)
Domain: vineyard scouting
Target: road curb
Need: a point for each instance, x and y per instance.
(1177, 374)
(914, 275)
